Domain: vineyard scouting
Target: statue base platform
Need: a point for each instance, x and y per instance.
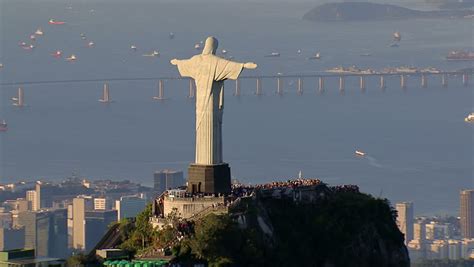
(213, 179)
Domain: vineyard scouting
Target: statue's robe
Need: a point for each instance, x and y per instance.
(209, 73)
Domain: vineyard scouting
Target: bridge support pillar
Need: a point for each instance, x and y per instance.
(465, 79)
(382, 85)
(191, 89)
(259, 87)
(342, 85)
(444, 81)
(20, 98)
(362, 84)
(403, 83)
(300, 87)
(424, 82)
(161, 91)
(279, 87)
(237, 88)
(321, 85)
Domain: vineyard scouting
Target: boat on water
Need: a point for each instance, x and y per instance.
(133, 47)
(339, 69)
(152, 54)
(430, 70)
(223, 51)
(273, 54)
(349, 70)
(28, 47)
(404, 69)
(33, 37)
(22, 44)
(469, 118)
(316, 56)
(397, 37)
(197, 46)
(3, 126)
(39, 32)
(1, 65)
(71, 58)
(55, 22)
(91, 44)
(171, 35)
(458, 55)
(57, 53)
(359, 153)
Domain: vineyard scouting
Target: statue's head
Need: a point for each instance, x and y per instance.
(210, 47)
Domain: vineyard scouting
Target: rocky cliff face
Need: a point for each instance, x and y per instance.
(334, 229)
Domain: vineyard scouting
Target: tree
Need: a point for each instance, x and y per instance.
(143, 226)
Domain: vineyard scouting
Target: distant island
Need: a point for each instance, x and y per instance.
(452, 4)
(359, 11)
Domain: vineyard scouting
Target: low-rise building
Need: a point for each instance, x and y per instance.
(26, 258)
(11, 238)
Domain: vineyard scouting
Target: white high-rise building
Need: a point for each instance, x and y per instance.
(100, 204)
(467, 213)
(405, 219)
(80, 205)
(419, 231)
(32, 197)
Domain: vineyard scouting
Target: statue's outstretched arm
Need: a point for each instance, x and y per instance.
(250, 65)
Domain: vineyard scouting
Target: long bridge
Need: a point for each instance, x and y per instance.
(321, 78)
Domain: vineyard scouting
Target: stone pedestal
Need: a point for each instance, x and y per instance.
(209, 178)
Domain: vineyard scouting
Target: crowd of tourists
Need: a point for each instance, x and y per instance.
(241, 190)
(290, 184)
(345, 188)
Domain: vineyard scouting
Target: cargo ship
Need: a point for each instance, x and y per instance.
(351, 70)
(273, 54)
(55, 22)
(397, 37)
(430, 70)
(3, 126)
(458, 55)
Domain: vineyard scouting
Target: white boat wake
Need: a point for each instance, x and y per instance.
(373, 162)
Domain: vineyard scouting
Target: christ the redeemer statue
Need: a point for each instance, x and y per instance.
(209, 174)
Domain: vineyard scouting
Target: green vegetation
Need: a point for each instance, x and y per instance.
(218, 241)
(340, 229)
(76, 260)
(348, 229)
(140, 235)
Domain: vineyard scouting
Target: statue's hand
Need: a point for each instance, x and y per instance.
(174, 62)
(250, 65)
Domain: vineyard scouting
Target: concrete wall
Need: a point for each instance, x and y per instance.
(188, 207)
